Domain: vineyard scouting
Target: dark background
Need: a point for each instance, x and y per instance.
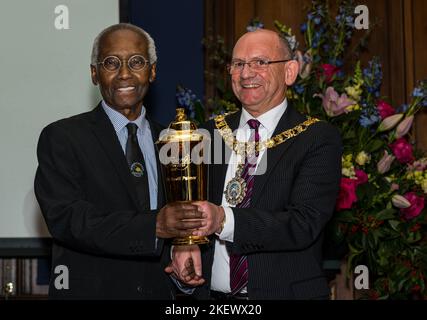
(178, 33)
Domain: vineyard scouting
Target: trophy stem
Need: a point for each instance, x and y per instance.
(190, 240)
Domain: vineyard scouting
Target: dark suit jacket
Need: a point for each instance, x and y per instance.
(101, 233)
(281, 232)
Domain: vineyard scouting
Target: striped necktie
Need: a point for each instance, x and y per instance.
(239, 263)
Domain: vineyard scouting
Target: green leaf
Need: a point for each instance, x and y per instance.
(401, 272)
(371, 240)
(375, 145)
(376, 235)
(386, 214)
(413, 237)
(349, 135)
(355, 250)
(394, 224)
(364, 240)
(345, 216)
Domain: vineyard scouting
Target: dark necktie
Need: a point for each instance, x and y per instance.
(239, 263)
(137, 168)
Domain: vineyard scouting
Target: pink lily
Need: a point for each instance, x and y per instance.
(385, 162)
(333, 103)
(404, 126)
(390, 122)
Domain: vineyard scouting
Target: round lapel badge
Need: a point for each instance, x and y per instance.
(137, 169)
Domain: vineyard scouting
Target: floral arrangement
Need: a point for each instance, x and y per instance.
(380, 214)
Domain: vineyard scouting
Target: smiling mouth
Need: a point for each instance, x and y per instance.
(125, 89)
(250, 86)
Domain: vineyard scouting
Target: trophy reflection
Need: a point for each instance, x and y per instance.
(184, 172)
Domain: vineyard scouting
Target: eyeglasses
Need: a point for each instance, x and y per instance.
(113, 63)
(256, 65)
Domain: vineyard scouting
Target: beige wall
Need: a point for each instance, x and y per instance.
(44, 77)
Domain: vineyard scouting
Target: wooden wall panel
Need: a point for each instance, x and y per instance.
(419, 34)
(378, 41)
(219, 21)
(292, 13)
(399, 38)
(245, 11)
(396, 81)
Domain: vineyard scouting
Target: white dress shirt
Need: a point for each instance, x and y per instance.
(220, 270)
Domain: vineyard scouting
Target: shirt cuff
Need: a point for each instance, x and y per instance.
(171, 251)
(182, 287)
(227, 233)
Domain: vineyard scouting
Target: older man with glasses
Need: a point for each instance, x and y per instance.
(271, 200)
(97, 183)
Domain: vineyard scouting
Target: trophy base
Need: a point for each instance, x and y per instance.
(190, 240)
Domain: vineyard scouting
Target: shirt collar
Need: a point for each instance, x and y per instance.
(119, 121)
(268, 120)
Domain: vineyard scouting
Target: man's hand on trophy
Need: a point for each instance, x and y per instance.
(214, 217)
(179, 220)
(186, 265)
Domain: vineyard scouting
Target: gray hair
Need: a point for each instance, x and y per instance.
(152, 55)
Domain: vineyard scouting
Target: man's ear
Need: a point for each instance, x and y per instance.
(291, 72)
(94, 74)
(152, 73)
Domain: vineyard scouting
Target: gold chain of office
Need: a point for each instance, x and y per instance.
(249, 148)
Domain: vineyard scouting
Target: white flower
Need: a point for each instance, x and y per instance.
(362, 158)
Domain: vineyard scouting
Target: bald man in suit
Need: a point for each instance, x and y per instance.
(266, 233)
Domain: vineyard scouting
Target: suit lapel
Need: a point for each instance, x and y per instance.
(107, 137)
(289, 119)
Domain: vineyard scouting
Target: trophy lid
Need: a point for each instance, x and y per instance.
(181, 129)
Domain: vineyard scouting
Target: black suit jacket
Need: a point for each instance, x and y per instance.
(281, 232)
(101, 233)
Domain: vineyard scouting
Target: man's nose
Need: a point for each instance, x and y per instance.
(247, 71)
(124, 71)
